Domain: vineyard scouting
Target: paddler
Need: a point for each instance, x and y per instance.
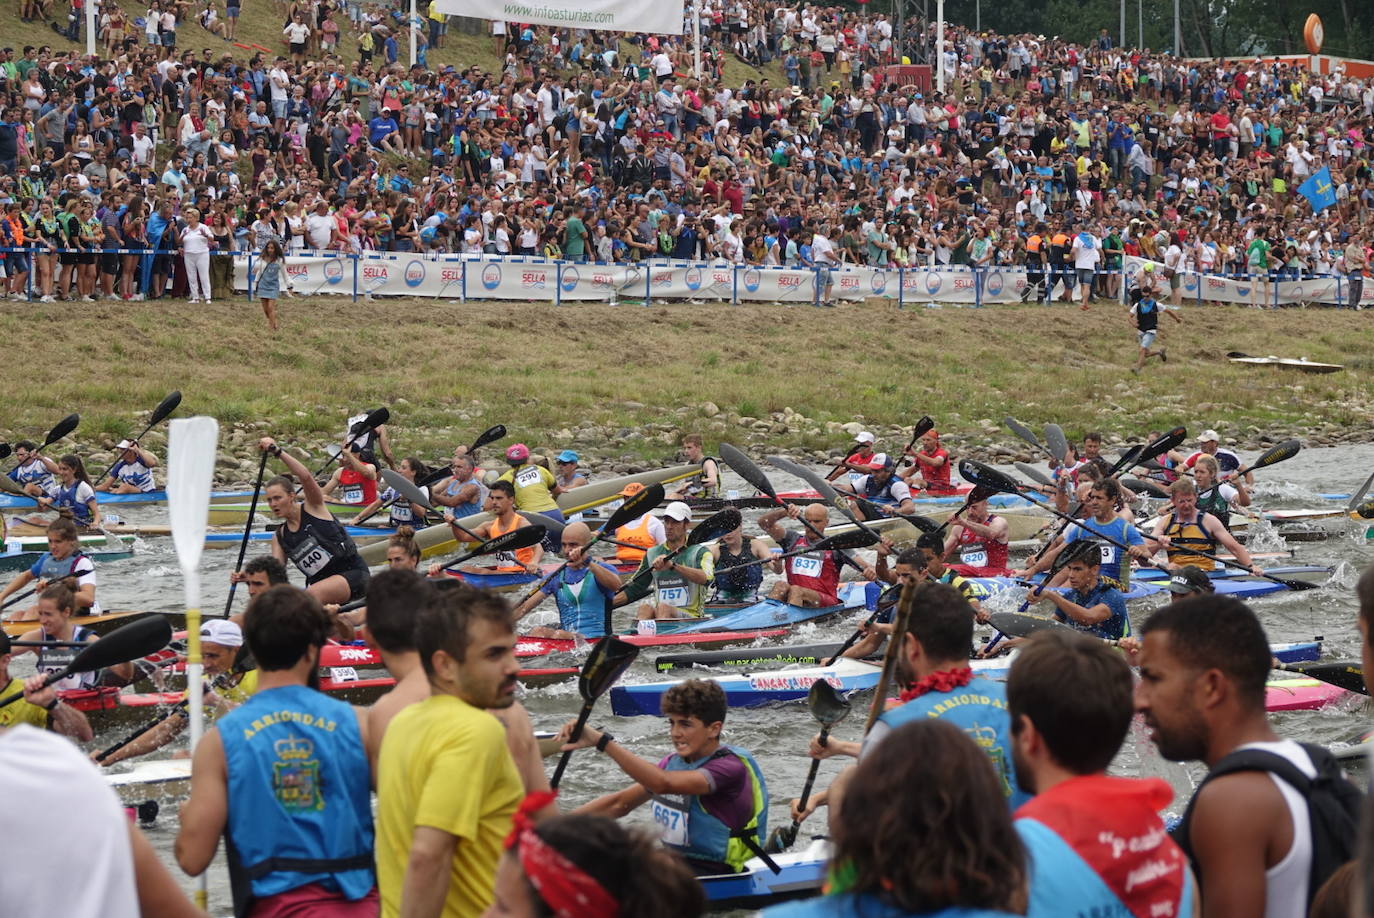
(40, 707)
(641, 534)
(569, 476)
(980, 539)
(402, 554)
(132, 473)
(448, 787)
(56, 605)
(34, 471)
(397, 597)
(1209, 444)
(856, 463)
(907, 567)
(709, 799)
(813, 578)
(681, 572)
(310, 536)
(1185, 527)
(63, 561)
(461, 492)
(220, 640)
(1092, 603)
(285, 778)
(535, 486)
(71, 494)
(259, 575)
(705, 483)
(501, 501)
(881, 486)
(374, 440)
(355, 480)
(583, 590)
(402, 512)
(734, 582)
(937, 684)
(931, 471)
(1101, 524)
(1215, 496)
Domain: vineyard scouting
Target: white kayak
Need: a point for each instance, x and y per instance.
(147, 780)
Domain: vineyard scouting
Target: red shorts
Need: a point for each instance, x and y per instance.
(314, 901)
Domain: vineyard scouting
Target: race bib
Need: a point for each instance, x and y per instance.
(1108, 554)
(343, 674)
(804, 566)
(527, 477)
(675, 596)
(506, 559)
(352, 494)
(977, 558)
(672, 822)
(310, 557)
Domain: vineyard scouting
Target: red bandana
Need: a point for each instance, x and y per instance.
(565, 888)
(943, 681)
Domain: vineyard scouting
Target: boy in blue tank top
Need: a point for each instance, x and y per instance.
(710, 802)
(583, 590)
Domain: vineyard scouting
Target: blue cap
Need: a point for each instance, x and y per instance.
(567, 456)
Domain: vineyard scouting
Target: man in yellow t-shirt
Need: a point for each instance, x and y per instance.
(446, 784)
(535, 486)
(40, 707)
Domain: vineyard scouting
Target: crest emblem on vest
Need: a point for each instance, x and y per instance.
(296, 775)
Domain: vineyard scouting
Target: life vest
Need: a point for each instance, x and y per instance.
(511, 561)
(817, 570)
(401, 511)
(732, 579)
(1211, 501)
(472, 506)
(637, 534)
(68, 497)
(1185, 536)
(55, 659)
(1115, 569)
(320, 548)
(696, 834)
(582, 607)
(356, 488)
(696, 485)
(980, 556)
(299, 797)
(134, 473)
(1116, 626)
(673, 589)
(879, 493)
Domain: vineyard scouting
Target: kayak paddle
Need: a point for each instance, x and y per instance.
(488, 436)
(410, 491)
(1142, 486)
(1057, 443)
(164, 408)
(895, 648)
(134, 640)
(829, 709)
(922, 427)
(713, 527)
(634, 506)
(1034, 474)
(855, 538)
(1348, 674)
(745, 468)
(1272, 456)
(516, 539)
(1026, 434)
(1069, 554)
(1358, 496)
(59, 430)
(373, 420)
(247, 532)
(840, 501)
(610, 657)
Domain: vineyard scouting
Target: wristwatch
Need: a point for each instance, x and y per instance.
(276, 449)
(52, 707)
(606, 740)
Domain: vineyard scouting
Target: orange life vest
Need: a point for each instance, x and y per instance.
(636, 534)
(507, 560)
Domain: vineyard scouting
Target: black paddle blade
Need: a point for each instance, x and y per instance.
(1128, 459)
(976, 473)
(1365, 511)
(924, 523)
(5, 451)
(1163, 444)
(406, 488)
(1348, 674)
(490, 435)
(608, 660)
(373, 420)
(980, 493)
(1057, 442)
(1141, 486)
(1074, 551)
(855, 538)
(824, 488)
(1022, 431)
(516, 539)
(165, 407)
(924, 426)
(634, 507)
(1278, 453)
(1019, 624)
(715, 526)
(870, 510)
(552, 527)
(61, 429)
(435, 477)
(1034, 474)
(745, 468)
(828, 706)
(134, 640)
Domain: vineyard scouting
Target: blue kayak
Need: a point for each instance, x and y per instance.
(802, 874)
(15, 502)
(770, 613)
(221, 539)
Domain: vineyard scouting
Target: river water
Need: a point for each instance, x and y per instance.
(778, 735)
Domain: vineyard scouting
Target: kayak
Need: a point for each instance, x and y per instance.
(749, 690)
(235, 513)
(16, 544)
(803, 872)
(15, 502)
(487, 578)
(769, 613)
(817, 654)
(23, 560)
(1292, 363)
(1309, 573)
(438, 540)
(955, 499)
(97, 623)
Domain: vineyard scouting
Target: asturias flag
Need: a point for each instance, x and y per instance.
(1318, 190)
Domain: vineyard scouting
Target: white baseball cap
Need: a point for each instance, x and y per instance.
(223, 632)
(679, 511)
(1208, 435)
(863, 437)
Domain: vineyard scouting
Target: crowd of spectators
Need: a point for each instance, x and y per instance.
(587, 145)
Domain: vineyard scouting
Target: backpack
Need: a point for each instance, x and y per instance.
(1333, 805)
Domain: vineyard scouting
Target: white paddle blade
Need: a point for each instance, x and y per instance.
(191, 448)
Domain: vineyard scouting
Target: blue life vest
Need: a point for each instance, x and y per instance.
(868, 905)
(583, 607)
(133, 473)
(1117, 626)
(299, 796)
(879, 493)
(704, 837)
(49, 568)
(980, 710)
(64, 497)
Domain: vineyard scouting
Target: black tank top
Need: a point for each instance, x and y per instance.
(320, 548)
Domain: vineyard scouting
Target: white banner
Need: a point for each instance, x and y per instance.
(1260, 290)
(659, 17)
(777, 285)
